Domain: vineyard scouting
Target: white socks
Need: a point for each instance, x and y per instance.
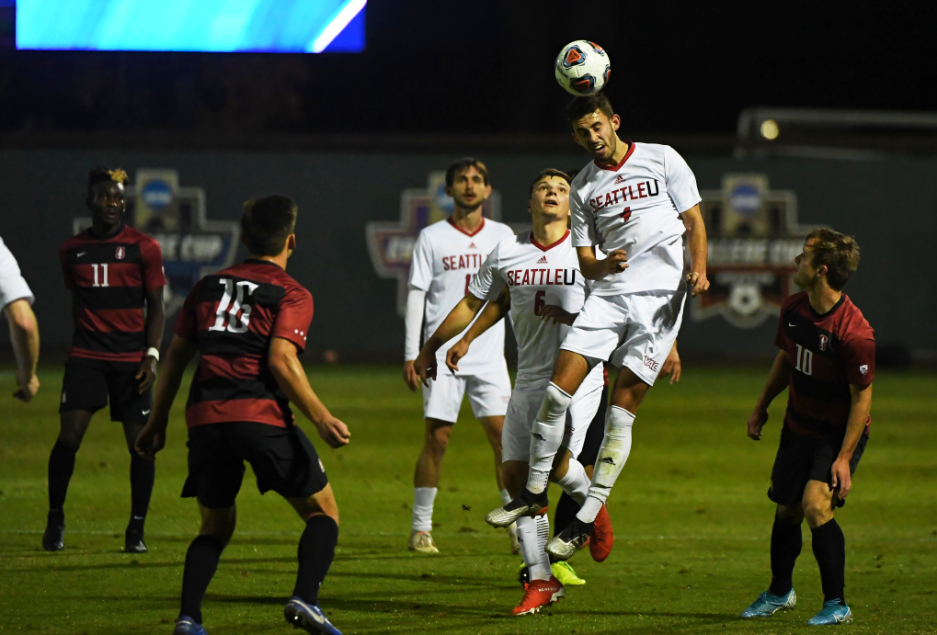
(546, 437)
(505, 497)
(423, 498)
(532, 534)
(575, 482)
(616, 446)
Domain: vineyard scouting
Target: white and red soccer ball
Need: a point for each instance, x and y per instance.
(582, 68)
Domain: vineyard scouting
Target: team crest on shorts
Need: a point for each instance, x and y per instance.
(390, 243)
(753, 239)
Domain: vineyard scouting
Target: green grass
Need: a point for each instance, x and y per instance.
(691, 517)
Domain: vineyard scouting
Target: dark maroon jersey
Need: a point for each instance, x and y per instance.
(232, 316)
(108, 278)
(828, 353)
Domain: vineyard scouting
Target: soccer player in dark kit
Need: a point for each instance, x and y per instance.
(827, 361)
(113, 272)
(249, 323)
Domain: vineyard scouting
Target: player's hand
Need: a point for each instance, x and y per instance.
(672, 366)
(410, 376)
(152, 439)
(28, 386)
(425, 367)
(333, 431)
(698, 282)
(756, 422)
(457, 352)
(616, 261)
(146, 373)
(557, 314)
(841, 479)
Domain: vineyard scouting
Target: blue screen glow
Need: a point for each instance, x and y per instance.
(279, 26)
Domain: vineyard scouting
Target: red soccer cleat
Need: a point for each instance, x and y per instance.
(602, 538)
(539, 593)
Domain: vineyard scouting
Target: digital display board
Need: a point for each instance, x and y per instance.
(214, 26)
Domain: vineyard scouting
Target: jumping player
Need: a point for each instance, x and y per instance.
(827, 360)
(446, 257)
(249, 323)
(113, 271)
(636, 201)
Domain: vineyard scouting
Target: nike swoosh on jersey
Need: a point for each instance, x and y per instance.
(146, 412)
(791, 325)
(80, 254)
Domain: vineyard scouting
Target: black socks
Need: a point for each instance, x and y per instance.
(786, 543)
(316, 550)
(829, 547)
(61, 466)
(566, 510)
(201, 561)
(142, 475)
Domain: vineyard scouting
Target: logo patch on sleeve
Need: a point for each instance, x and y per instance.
(864, 369)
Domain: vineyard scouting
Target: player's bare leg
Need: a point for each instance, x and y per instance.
(316, 551)
(142, 476)
(72, 427)
(425, 483)
(627, 395)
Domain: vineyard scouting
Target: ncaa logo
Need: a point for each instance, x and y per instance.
(157, 194)
(824, 340)
(121, 252)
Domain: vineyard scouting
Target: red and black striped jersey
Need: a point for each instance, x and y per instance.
(232, 315)
(108, 278)
(828, 353)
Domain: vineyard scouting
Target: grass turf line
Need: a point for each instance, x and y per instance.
(691, 516)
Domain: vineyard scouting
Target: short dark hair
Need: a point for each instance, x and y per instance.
(549, 172)
(464, 164)
(580, 107)
(267, 223)
(101, 174)
(839, 252)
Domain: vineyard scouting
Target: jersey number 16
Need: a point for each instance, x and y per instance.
(228, 310)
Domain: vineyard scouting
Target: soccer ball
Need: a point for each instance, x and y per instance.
(582, 68)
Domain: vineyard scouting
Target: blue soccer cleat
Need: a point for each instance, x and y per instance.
(833, 612)
(185, 625)
(308, 617)
(768, 604)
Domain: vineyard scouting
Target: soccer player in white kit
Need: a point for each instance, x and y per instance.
(446, 257)
(636, 200)
(16, 299)
(536, 276)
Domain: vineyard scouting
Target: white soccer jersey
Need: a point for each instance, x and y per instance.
(635, 207)
(12, 284)
(445, 260)
(536, 275)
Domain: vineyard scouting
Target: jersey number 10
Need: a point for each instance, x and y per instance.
(804, 362)
(228, 310)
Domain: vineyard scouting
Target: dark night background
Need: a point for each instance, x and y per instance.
(485, 68)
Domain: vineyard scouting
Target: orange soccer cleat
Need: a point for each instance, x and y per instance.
(539, 593)
(602, 538)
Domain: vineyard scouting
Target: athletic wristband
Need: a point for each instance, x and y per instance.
(153, 352)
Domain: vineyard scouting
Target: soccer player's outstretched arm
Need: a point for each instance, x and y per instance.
(24, 334)
(152, 437)
(778, 379)
(290, 376)
(699, 249)
(493, 313)
(458, 318)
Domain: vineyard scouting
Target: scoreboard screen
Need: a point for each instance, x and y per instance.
(213, 26)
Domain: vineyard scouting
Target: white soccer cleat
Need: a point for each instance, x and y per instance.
(422, 541)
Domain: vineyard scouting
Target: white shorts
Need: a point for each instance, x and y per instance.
(525, 404)
(488, 394)
(635, 330)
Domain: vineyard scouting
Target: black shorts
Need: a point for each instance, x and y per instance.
(90, 383)
(283, 460)
(595, 434)
(801, 459)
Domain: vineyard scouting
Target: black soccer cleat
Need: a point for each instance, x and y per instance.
(53, 539)
(527, 504)
(133, 542)
(566, 543)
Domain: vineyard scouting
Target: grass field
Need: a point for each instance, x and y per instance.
(691, 518)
